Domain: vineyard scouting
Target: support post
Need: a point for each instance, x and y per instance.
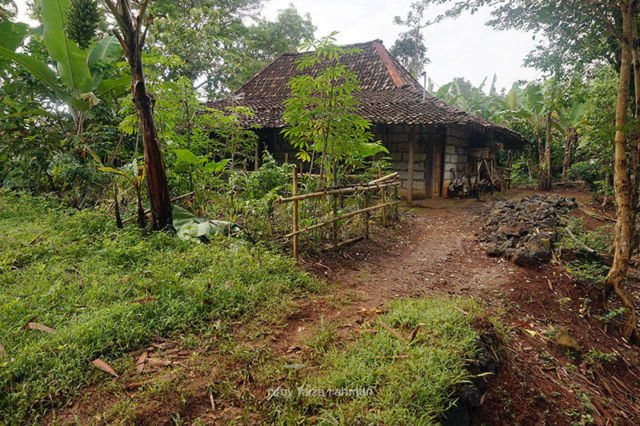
(412, 137)
(295, 212)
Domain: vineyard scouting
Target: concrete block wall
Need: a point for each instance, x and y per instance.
(456, 153)
(396, 140)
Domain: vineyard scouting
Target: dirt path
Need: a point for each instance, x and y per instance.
(436, 251)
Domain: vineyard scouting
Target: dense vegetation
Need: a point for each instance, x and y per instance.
(105, 137)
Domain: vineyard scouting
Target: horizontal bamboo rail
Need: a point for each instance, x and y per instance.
(384, 178)
(339, 218)
(341, 191)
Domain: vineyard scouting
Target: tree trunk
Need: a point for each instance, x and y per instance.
(545, 172)
(132, 38)
(625, 226)
(156, 177)
(572, 142)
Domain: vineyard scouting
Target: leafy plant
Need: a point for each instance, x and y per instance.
(321, 114)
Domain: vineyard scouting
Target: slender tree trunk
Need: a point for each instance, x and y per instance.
(572, 142)
(625, 226)
(545, 173)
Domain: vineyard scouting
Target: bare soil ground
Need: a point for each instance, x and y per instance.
(435, 251)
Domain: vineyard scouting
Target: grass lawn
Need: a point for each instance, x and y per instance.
(106, 291)
(393, 379)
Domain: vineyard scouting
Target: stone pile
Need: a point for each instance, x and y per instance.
(524, 231)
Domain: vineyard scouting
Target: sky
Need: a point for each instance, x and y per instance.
(465, 47)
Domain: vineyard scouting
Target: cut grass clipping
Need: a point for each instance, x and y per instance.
(102, 292)
(406, 371)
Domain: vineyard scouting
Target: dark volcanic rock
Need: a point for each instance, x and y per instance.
(525, 231)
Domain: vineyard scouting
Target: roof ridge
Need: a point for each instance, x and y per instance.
(388, 62)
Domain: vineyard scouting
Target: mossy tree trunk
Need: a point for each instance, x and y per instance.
(624, 185)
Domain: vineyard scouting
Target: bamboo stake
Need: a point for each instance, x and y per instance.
(345, 216)
(382, 198)
(295, 213)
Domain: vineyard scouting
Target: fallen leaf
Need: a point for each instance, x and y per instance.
(159, 362)
(393, 332)
(133, 386)
(531, 332)
(292, 349)
(142, 359)
(40, 327)
(413, 334)
(101, 365)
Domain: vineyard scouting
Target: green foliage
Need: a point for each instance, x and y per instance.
(409, 49)
(584, 268)
(597, 128)
(321, 114)
(222, 43)
(107, 292)
(591, 172)
(82, 22)
(411, 383)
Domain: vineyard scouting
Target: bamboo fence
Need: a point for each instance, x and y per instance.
(378, 186)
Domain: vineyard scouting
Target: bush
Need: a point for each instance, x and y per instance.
(590, 172)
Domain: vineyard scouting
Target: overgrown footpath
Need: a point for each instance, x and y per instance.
(74, 290)
(188, 330)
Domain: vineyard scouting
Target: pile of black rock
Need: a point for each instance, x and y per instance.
(524, 231)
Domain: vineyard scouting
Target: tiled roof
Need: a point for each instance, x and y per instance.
(388, 94)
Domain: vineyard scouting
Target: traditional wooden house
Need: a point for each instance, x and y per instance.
(428, 140)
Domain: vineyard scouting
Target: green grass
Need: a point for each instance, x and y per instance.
(411, 383)
(73, 271)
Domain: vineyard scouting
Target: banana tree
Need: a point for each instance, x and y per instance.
(76, 79)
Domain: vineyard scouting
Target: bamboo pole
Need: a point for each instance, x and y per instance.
(382, 198)
(334, 233)
(366, 216)
(346, 242)
(384, 178)
(295, 213)
(349, 190)
(345, 216)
